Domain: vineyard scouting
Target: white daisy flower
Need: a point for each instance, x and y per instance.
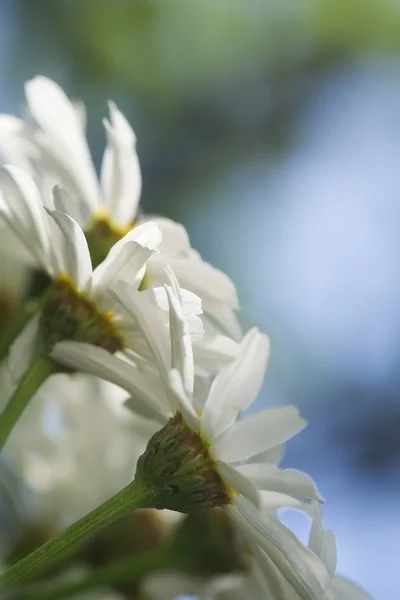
(56, 148)
(77, 304)
(192, 460)
(57, 245)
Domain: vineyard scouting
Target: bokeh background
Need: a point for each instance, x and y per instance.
(271, 129)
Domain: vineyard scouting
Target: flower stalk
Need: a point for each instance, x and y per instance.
(124, 571)
(35, 376)
(10, 333)
(130, 498)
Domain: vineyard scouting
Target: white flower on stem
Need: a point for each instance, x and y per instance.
(193, 458)
(77, 304)
(107, 209)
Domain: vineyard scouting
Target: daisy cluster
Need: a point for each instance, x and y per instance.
(153, 371)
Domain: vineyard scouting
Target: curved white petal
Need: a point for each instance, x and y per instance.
(147, 234)
(238, 483)
(285, 481)
(183, 402)
(223, 318)
(181, 344)
(237, 385)
(16, 146)
(148, 320)
(77, 256)
(273, 456)
(120, 173)
(22, 204)
(64, 203)
(63, 136)
(175, 240)
(322, 542)
(301, 567)
(200, 277)
(126, 264)
(270, 499)
(99, 362)
(212, 354)
(257, 433)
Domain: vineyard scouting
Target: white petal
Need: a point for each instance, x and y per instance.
(347, 590)
(272, 456)
(120, 174)
(78, 262)
(286, 481)
(175, 240)
(181, 344)
(201, 278)
(278, 500)
(64, 203)
(22, 351)
(99, 362)
(15, 144)
(25, 208)
(223, 318)
(127, 263)
(201, 389)
(183, 402)
(147, 234)
(301, 567)
(60, 123)
(322, 542)
(212, 354)
(148, 321)
(238, 482)
(269, 577)
(257, 433)
(237, 385)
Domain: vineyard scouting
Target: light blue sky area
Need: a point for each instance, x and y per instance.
(313, 239)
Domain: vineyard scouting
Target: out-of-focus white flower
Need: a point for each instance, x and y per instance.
(73, 447)
(55, 148)
(209, 424)
(265, 580)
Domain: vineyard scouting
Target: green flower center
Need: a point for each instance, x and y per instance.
(101, 237)
(178, 467)
(69, 315)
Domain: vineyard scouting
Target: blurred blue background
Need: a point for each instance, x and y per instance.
(271, 129)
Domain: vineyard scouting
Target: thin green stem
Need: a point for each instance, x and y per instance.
(125, 571)
(131, 497)
(38, 372)
(14, 328)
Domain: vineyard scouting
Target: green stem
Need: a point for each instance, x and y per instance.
(131, 497)
(125, 571)
(14, 328)
(37, 373)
